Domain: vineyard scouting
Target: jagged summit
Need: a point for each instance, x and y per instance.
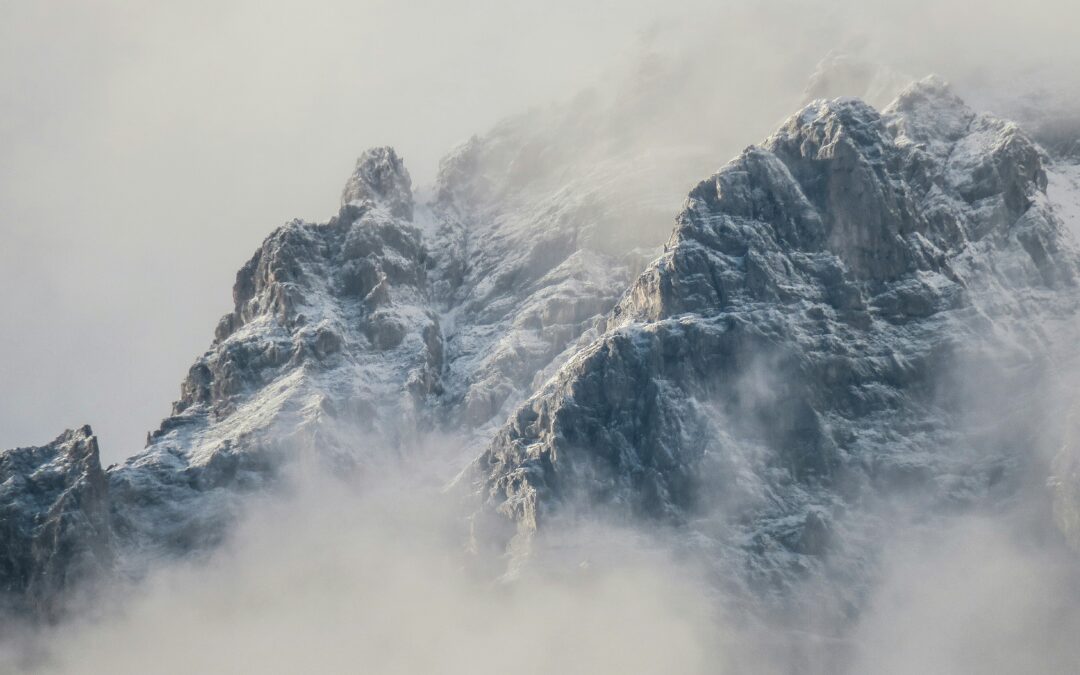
(380, 176)
(871, 176)
(805, 345)
(54, 521)
(328, 356)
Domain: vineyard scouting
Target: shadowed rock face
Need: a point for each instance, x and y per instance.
(54, 521)
(831, 309)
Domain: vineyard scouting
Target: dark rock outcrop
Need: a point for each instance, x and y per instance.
(54, 522)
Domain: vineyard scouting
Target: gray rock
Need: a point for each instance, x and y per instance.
(808, 348)
(55, 531)
(331, 341)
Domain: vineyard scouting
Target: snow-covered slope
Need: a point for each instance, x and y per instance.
(540, 224)
(1063, 189)
(331, 353)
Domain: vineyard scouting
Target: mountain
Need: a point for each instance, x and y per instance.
(852, 314)
(54, 521)
(804, 354)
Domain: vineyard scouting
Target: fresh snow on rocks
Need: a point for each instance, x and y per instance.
(762, 388)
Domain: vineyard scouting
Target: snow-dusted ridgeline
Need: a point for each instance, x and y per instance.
(765, 380)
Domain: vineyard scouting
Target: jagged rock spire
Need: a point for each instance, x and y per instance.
(54, 522)
(380, 176)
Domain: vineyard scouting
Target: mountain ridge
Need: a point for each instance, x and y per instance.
(838, 252)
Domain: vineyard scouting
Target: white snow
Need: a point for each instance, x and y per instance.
(1063, 190)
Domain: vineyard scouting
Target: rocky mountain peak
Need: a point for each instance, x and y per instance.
(380, 176)
(789, 340)
(809, 324)
(880, 195)
(54, 521)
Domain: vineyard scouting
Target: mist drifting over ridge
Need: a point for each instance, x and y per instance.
(389, 570)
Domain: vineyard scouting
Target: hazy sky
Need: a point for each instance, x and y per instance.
(146, 148)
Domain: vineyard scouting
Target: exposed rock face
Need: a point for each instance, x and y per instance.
(331, 350)
(54, 521)
(828, 311)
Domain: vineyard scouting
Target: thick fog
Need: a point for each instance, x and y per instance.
(372, 576)
(327, 580)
